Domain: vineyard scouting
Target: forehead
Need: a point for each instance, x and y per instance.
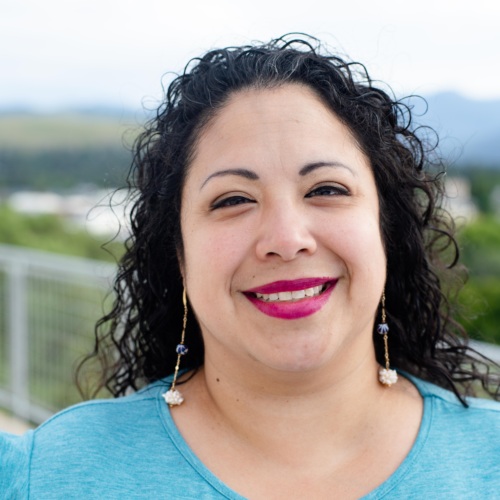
(289, 97)
(287, 125)
(289, 105)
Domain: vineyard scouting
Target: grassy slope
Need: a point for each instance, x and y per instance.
(44, 152)
(35, 132)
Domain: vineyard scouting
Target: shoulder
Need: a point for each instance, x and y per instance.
(15, 454)
(456, 453)
(448, 401)
(458, 442)
(477, 421)
(84, 441)
(120, 448)
(87, 423)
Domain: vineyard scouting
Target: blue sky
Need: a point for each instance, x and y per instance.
(58, 53)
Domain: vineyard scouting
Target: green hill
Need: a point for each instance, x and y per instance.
(61, 151)
(63, 131)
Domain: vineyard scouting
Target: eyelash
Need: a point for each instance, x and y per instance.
(231, 201)
(327, 190)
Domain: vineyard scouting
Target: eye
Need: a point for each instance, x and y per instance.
(230, 201)
(328, 190)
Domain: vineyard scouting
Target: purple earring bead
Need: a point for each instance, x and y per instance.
(181, 349)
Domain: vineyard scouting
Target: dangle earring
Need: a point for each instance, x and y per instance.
(386, 376)
(173, 397)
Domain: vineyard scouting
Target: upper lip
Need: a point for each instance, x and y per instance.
(290, 285)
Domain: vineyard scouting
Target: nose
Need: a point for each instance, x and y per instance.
(284, 231)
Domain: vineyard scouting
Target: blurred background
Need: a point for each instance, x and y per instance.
(78, 79)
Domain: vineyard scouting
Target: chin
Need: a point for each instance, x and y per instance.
(298, 360)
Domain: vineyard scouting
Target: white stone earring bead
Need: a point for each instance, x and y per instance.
(173, 397)
(387, 376)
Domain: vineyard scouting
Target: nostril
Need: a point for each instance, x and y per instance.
(286, 241)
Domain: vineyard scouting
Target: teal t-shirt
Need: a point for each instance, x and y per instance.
(129, 448)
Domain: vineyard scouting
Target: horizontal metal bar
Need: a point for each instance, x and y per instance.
(30, 412)
(60, 264)
(491, 351)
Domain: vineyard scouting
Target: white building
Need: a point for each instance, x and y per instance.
(100, 212)
(458, 200)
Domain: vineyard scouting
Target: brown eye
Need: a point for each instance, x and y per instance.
(231, 201)
(328, 191)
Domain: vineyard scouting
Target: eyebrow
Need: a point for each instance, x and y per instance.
(249, 174)
(310, 167)
(242, 172)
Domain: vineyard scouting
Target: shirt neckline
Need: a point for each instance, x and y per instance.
(383, 489)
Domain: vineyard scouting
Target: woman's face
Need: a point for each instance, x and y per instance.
(283, 259)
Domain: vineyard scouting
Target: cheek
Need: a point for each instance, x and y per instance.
(359, 241)
(213, 252)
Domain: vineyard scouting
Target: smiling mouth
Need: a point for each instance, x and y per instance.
(292, 296)
(292, 299)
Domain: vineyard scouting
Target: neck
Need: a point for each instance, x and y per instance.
(312, 431)
(268, 408)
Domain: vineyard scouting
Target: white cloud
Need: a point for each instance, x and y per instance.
(61, 51)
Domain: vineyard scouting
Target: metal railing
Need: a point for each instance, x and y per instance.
(48, 307)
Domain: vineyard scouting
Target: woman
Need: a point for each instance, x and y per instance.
(286, 256)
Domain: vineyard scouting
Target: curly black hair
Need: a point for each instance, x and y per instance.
(136, 340)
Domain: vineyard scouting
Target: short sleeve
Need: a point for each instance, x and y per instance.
(15, 454)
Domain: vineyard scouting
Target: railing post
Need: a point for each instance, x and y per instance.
(17, 296)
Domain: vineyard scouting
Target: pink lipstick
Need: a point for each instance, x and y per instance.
(291, 299)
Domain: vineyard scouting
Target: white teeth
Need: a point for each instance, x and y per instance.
(285, 296)
(289, 296)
